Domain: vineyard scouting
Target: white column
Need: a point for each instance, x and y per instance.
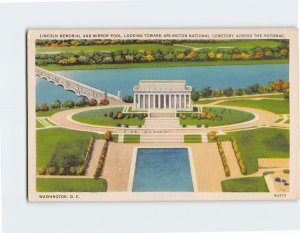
(148, 101)
(190, 101)
(184, 101)
(169, 101)
(143, 104)
(180, 103)
(175, 101)
(165, 102)
(134, 100)
(159, 101)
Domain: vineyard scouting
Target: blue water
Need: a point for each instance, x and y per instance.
(162, 170)
(113, 80)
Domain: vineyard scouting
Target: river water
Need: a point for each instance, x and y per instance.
(112, 80)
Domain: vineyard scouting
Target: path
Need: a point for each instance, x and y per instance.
(263, 118)
(94, 158)
(231, 159)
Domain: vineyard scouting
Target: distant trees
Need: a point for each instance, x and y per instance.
(56, 104)
(128, 99)
(152, 55)
(69, 104)
(206, 92)
(195, 95)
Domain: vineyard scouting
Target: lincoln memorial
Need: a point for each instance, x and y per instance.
(162, 94)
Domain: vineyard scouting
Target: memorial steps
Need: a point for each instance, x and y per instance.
(162, 138)
(161, 123)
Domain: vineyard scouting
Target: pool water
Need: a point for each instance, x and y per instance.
(162, 170)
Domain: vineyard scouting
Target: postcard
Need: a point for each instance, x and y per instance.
(163, 114)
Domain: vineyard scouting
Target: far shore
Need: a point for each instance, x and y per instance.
(55, 67)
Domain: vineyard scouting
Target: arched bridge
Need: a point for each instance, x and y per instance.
(78, 88)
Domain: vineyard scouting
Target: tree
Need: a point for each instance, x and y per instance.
(92, 102)
(107, 135)
(128, 99)
(239, 92)
(228, 91)
(206, 92)
(195, 95)
(56, 104)
(69, 104)
(81, 102)
(44, 107)
(286, 94)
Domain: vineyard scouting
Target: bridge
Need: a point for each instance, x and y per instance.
(78, 88)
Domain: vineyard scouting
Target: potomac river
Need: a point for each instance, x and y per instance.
(112, 80)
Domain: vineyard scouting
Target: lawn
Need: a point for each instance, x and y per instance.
(39, 124)
(132, 138)
(260, 143)
(55, 67)
(96, 117)
(229, 116)
(209, 101)
(106, 48)
(192, 138)
(275, 106)
(70, 185)
(241, 44)
(49, 139)
(248, 184)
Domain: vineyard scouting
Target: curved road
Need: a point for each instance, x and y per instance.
(262, 118)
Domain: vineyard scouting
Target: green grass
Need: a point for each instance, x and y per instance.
(139, 110)
(275, 106)
(249, 184)
(132, 138)
(260, 143)
(70, 185)
(96, 117)
(48, 139)
(196, 138)
(241, 44)
(106, 48)
(209, 101)
(55, 67)
(229, 116)
(39, 124)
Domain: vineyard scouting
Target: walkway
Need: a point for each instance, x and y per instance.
(94, 158)
(263, 118)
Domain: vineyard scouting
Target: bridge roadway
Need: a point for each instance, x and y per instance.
(78, 88)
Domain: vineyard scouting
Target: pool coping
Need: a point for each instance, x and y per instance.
(133, 163)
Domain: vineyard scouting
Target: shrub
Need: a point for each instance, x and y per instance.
(223, 158)
(101, 160)
(213, 135)
(44, 107)
(210, 116)
(104, 102)
(87, 157)
(120, 115)
(42, 171)
(128, 99)
(118, 125)
(81, 103)
(92, 102)
(56, 104)
(111, 114)
(61, 171)
(73, 171)
(52, 170)
(238, 156)
(107, 135)
(69, 104)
